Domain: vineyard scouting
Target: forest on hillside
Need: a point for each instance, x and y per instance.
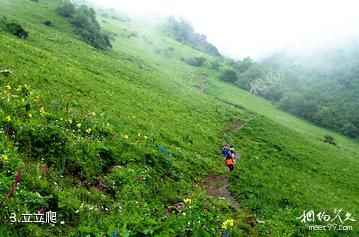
(322, 87)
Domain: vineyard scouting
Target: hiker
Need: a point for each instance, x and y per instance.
(233, 154)
(229, 162)
(225, 151)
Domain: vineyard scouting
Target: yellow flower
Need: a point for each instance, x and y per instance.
(23, 100)
(187, 201)
(78, 125)
(30, 115)
(4, 157)
(42, 110)
(126, 137)
(93, 114)
(8, 118)
(107, 124)
(88, 130)
(227, 223)
(8, 87)
(145, 137)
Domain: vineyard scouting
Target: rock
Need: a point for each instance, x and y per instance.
(5, 72)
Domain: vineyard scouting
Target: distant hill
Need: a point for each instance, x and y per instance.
(322, 87)
(118, 135)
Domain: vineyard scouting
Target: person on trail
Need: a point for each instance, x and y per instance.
(233, 154)
(225, 151)
(229, 162)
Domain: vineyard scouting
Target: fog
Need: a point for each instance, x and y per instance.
(255, 28)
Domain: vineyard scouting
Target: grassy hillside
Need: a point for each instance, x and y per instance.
(113, 140)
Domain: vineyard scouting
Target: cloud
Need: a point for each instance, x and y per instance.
(241, 28)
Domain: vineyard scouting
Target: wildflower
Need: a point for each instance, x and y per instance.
(23, 100)
(88, 130)
(62, 222)
(187, 201)
(4, 157)
(18, 177)
(8, 118)
(42, 210)
(145, 137)
(42, 110)
(30, 115)
(78, 125)
(126, 137)
(11, 192)
(46, 169)
(8, 87)
(107, 124)
(93, 114)
(100, 186)
(227, 223)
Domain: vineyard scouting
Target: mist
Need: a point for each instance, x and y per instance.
(258, 28)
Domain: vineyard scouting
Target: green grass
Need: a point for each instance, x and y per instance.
(138, 98)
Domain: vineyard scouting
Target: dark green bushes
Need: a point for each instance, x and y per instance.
(13, 28)
(85, 23)
(182, 31)
(195, 61)
(229, 76)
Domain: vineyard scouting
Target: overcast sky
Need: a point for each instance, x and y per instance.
(256, 28)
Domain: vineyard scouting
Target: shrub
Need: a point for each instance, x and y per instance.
(67, 9)
(229, 76)
(86, 25)
(47, 23)
(16, 29)
(195, 61)
(329, 139)
(183, 31)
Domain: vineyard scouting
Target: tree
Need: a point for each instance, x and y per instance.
(229, 76)
(293, 102)
(183, 31)
(86, 25)
(67, 9)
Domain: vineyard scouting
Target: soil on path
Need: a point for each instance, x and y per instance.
(217, 186)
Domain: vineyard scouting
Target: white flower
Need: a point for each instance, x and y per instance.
(62, 222)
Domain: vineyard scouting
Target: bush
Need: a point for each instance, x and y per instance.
(195, 61)
(16, 29)
(183, 31)
(86, 25)
(329, 139)
(47, 23)
(67, 9)
(229, 76)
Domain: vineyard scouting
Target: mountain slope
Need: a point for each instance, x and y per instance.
(114, 141)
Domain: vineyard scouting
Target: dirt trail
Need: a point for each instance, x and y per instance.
(202, 84)
(217, 186)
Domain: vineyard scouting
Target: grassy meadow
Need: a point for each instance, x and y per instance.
(113, 140)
